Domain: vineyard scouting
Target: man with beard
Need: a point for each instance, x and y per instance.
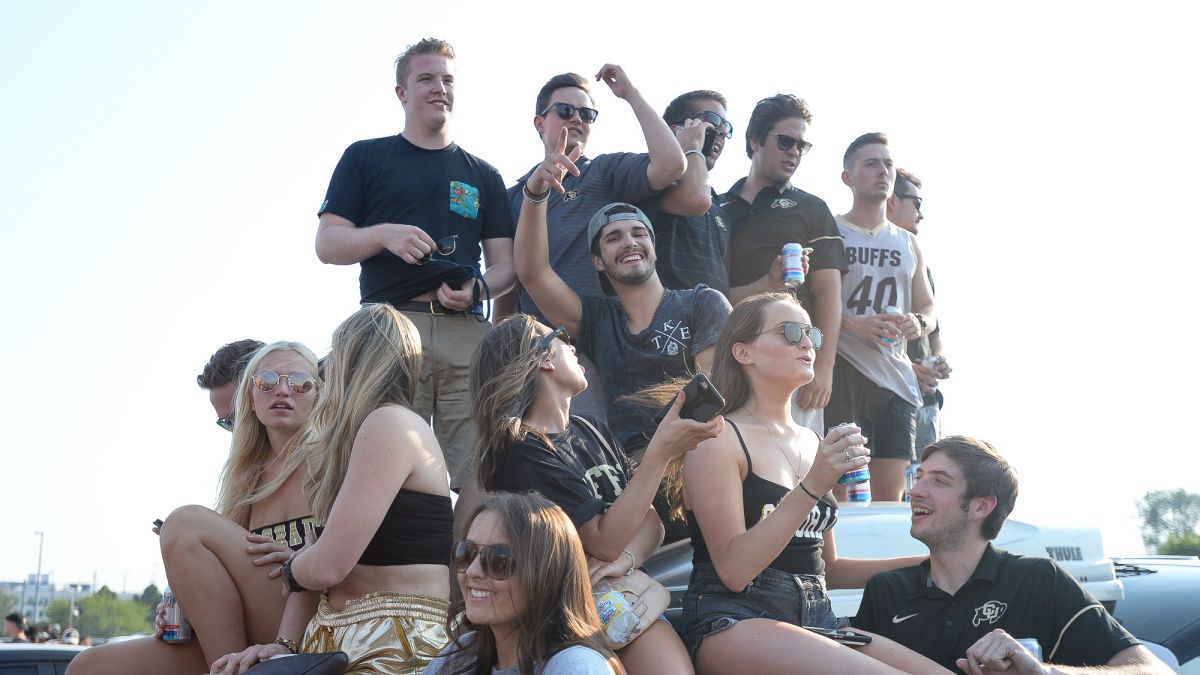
(967, 605)
(643, 336)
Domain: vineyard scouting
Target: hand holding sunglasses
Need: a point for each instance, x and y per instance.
(300, 381)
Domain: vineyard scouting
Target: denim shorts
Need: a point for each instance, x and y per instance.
(710, 607)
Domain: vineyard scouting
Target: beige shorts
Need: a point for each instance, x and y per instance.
(386, 633)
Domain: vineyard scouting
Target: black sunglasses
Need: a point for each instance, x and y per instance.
(226, 423)
(915, 199)
(794, 332)
(716, 120)
(495, 560)
(567, 111)
(443, 246)
(786, 142)
(544, 342)
(266, 380)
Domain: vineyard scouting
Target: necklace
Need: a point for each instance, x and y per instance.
(787, 458)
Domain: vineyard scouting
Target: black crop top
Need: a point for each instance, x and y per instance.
(418, 529)
(290, 532)
(802, 555)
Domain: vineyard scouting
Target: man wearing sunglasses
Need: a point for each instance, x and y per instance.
(886, 301)
(904, 211)
(416, 210)
(565, 103)
(221, 374)
(767, 211)
(692, 230)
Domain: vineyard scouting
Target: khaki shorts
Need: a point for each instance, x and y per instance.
(386, 633)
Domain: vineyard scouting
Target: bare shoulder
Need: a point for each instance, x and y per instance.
(718, 453)
(393, 427)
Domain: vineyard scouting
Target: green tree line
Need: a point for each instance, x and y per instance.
(104, 615)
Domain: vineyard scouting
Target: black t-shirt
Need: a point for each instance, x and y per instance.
(685, 324)
(779, 215)
(444, 192)
(577, 473)
(1027, 597)
(692, 250)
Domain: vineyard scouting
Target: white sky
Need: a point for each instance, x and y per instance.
(161, 165)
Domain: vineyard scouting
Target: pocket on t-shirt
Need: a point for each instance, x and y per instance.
(464, 199)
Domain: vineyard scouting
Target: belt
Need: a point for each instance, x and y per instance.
(425, 307)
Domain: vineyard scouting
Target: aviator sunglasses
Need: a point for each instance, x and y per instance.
(300, 381)
(443, 246)
(496, 560)
(720, 123)
(226, 423)
(794, 332)
(566, 111)
(786, 142)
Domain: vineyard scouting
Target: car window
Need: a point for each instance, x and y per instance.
(18, 669)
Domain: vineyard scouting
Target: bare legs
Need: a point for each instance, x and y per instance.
(765, 646)
(887, 479)
(657, 650)
(231, 603)
(143, 655)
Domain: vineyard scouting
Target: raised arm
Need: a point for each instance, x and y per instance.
(531, 245)
(691, 195)
(340, 242)
(391, 444)
(667, 163)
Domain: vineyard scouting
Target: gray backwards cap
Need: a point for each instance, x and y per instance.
(611, 213)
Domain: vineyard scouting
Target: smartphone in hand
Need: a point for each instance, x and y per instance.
(702, 401)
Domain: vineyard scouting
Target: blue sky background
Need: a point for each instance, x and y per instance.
(161, 165)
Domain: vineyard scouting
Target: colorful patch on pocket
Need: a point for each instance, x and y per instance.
(464, 199)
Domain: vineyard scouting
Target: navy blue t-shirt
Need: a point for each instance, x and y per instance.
(444, 192)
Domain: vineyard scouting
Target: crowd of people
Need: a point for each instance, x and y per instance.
(17, 630)
(485, 443)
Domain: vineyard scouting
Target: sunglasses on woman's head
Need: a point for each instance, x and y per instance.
(300, 381)
(496, 560)
(794, 332)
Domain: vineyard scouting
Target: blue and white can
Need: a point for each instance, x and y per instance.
(793, 265)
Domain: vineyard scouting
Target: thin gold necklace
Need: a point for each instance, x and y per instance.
(770, 434)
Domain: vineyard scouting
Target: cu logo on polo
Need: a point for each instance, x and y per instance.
(991, 611)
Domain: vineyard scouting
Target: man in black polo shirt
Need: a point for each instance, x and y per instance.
(691, 230)
(415, 210)
(768, 212)
(967, 605)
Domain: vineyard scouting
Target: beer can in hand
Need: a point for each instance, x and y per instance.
(1032, 646)
(178, 628)
(854, 476)
(793, 265)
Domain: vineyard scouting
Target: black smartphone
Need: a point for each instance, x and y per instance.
(702, 401)
(846, 637)
(157, 525)
(710, 137)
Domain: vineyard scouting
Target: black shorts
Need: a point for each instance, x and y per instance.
(888, 421)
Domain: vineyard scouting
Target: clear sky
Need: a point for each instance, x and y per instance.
(161, 165)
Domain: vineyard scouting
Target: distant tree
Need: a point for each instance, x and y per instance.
(1168, 512)
(104, 615)
(59, 611)
(8, 603)
(1188, 544)
(106, 592)
(151, 596)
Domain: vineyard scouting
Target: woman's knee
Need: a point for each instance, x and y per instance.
(184, 525)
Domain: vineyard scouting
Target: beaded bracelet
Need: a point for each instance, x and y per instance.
(289, 644)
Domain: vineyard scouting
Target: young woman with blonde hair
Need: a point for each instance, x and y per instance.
(377, 479)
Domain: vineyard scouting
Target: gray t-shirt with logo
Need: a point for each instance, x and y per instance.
(685, 324)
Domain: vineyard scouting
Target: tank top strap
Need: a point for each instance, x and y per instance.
(745, 451)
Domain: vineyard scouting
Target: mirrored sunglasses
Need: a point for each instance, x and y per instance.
(300, 381)
(226, 423)
(794, 332)
(495, 560)
(566, 111)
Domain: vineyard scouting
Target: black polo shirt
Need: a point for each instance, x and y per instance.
(691, 250)
(1027, 597)
(780, 214)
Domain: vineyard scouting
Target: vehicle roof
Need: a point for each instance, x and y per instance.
(1162, 601)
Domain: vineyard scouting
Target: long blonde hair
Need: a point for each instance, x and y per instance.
(374, 360)
(504, 384)
(552, 570)
(250, 449)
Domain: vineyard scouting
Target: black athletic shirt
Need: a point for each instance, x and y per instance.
(802, 555)
(418, 528)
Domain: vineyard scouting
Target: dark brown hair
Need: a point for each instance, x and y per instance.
(558, 82)
(875, 137)
(987, 473)
(768, 112)
(227, 364)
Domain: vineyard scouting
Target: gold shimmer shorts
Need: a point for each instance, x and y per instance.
(386, 633)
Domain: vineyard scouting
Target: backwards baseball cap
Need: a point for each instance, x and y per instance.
(611, 213)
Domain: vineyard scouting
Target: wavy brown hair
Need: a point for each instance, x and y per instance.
(250, 449)
(374, 360)
(551, 568)
(504, 383)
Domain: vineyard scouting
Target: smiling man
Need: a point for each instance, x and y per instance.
(767, 212)
(969, 603)
(646, 334)
(415, 210)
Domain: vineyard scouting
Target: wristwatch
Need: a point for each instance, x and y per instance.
(921, 320)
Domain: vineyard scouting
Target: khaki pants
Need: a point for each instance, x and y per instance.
(448, 341)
